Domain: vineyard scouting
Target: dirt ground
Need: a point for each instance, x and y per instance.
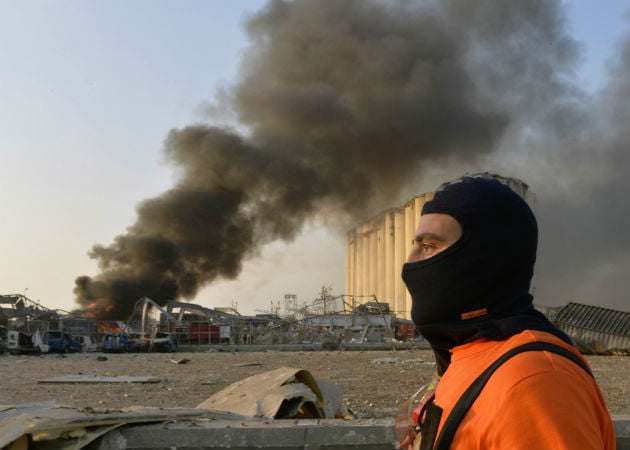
(373, 382)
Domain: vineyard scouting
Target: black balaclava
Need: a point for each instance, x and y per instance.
(479, 286)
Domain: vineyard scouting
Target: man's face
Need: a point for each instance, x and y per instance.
(435, 233)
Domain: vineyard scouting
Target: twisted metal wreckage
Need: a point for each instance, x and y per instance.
(29, 327)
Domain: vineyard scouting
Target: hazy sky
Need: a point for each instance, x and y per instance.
(89, 90)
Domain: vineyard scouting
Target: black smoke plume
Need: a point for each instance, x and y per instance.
(585, 212)
(344, 104)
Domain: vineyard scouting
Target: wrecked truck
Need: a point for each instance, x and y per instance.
(119, 342)
(60, 342)
(19, 342)
(163, 342)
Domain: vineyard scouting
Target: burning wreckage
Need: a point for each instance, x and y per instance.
(329, 322)
(28, 327)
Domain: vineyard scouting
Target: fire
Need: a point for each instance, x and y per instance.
(90, 311)
(110, 327)
(97, 310)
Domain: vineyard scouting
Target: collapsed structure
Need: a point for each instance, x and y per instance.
(328, 321)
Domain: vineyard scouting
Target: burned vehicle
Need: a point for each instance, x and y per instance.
(19, 342)
(119, 343)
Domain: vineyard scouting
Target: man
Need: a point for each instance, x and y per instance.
(469, 276)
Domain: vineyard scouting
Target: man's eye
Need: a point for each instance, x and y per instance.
(426, 247)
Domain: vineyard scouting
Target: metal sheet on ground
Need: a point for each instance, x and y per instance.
(50, 423)
(281, 393)
(97, 379)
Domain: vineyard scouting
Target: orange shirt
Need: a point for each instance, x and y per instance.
(535, 400)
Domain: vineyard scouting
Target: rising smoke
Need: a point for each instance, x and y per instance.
(345, 104)
(585, 209)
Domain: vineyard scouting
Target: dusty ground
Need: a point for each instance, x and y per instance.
(373, 382)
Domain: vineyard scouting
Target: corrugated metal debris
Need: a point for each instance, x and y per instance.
(596, 330)
(55, 427)
(283, 393)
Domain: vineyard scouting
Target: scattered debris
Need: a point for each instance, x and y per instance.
(98, 379)
(401, 361)
(180, 361)
(54, 427)
(389, 361)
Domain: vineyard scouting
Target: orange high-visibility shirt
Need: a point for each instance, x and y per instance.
(535, 400)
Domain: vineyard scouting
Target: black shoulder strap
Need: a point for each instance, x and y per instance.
(468, 397)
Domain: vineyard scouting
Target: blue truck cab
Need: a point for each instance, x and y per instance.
(60, 342)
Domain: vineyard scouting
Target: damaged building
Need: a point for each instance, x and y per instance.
(327, 319)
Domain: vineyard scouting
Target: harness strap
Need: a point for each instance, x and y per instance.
(468, 397)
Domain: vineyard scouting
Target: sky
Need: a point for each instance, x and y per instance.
(91, 90)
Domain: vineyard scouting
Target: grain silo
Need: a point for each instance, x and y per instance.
(377, 248)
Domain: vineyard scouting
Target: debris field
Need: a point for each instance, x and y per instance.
(373, 383)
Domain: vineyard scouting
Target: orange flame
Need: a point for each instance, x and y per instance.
(110, 327)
